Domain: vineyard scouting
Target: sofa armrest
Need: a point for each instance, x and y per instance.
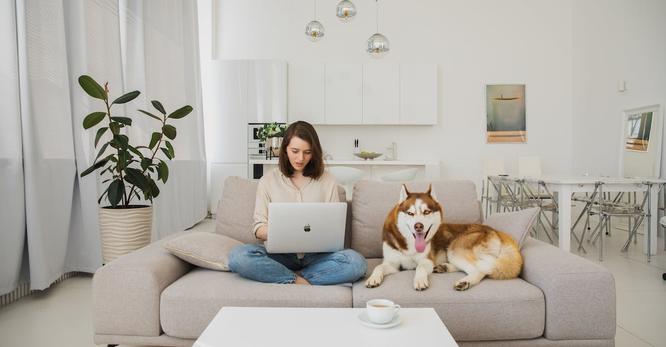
(126, 292)
(579, 294)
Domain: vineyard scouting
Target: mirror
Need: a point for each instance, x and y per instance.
(641, 142)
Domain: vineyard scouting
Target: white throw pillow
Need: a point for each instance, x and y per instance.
(517, 224)
(203, 249)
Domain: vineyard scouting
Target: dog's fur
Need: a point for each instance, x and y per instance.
(475, 249)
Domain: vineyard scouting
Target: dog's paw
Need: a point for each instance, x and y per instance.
(421, 282)
(461, 285)
(374, 281)
(441, 268)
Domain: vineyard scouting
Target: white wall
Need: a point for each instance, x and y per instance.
(544, 44)
(614, 40)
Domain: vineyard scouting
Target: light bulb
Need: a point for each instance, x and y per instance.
(345, 10)
(314, 30)
(378, 45)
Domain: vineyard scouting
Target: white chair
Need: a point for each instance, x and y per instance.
(400, 176)
(492, 166)
(346, 177)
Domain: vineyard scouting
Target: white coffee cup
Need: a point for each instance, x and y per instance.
(381, 311)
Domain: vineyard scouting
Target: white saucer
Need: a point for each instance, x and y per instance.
(363, 317)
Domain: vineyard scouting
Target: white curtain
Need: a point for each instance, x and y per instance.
(12, 209)
(46, 45)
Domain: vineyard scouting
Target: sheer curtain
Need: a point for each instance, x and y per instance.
(46, 208)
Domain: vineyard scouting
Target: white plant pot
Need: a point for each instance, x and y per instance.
(123, 230)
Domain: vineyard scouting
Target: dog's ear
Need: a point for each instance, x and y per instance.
(403, 193)
(431, 193)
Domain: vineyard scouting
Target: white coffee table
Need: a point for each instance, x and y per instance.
(339, 327)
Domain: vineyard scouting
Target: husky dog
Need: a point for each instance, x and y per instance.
(415, 237)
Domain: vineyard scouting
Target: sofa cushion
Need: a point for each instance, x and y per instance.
(190, 303)
(236, 208)
(374, 200)
(203, 249)
(491, 310)
(517, 223)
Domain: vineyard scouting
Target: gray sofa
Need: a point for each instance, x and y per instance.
(150, 297)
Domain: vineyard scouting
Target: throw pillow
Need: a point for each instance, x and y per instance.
(517, 224)
(203, 249)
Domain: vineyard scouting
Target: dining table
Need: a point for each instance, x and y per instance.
(566, 186)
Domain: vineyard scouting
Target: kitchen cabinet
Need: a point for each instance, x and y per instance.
(343, 89)
(381, 94)
(418, 94)
(266, 91)
(225, 111)
(306, 93)
(378, 93)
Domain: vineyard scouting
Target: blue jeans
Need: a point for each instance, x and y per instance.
(253, 262)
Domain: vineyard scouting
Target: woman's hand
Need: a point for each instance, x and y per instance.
(262, 233)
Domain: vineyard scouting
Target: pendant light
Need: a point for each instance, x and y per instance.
(378, 44)
(314, 30)
(345, 10)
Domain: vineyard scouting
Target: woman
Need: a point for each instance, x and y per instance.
(299, 177)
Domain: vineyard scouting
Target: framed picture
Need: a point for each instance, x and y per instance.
(506, 120)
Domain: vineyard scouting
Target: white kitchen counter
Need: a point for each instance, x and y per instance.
(376, 168)
(380, 162)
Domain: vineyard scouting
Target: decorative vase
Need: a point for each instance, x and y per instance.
(274, 144)
(123, 230)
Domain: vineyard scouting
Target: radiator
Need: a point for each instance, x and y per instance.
(23, 289)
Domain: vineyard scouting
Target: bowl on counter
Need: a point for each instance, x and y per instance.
(367, 155)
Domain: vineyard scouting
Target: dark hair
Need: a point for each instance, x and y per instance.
(306, 132)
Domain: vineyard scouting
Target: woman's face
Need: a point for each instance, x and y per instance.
(299, 153)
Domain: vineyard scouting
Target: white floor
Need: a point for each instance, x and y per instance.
(61, 316)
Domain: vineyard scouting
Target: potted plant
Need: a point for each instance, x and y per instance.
(130, 172)
(271, 134)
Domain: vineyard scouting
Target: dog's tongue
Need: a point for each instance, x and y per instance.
(420, 243)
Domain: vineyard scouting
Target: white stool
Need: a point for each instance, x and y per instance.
(400, 176)
(346, 177)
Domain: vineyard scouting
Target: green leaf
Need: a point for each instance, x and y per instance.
(127, 97)
(136, 177)
(124, 158)
(169, 131)
(135, 151)
(100, 132)
(120, 142)
(154, 139)
(158, 106)
(123, 120)
(93, 119)
(116, 189)
(166, 152)
(96, 166)
(162, 171)
(101, 151)
(154, 191)
(145, 163)
(170, 148)
(181, 112)
(91, 87)
(115, 128)
(150, 115)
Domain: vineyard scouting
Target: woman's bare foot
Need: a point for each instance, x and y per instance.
(301, 280)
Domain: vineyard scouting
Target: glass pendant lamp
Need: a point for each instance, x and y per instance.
(345, 10)
(378, 44)
(314, 30)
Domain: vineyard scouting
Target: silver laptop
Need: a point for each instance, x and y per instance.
(306, 227)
